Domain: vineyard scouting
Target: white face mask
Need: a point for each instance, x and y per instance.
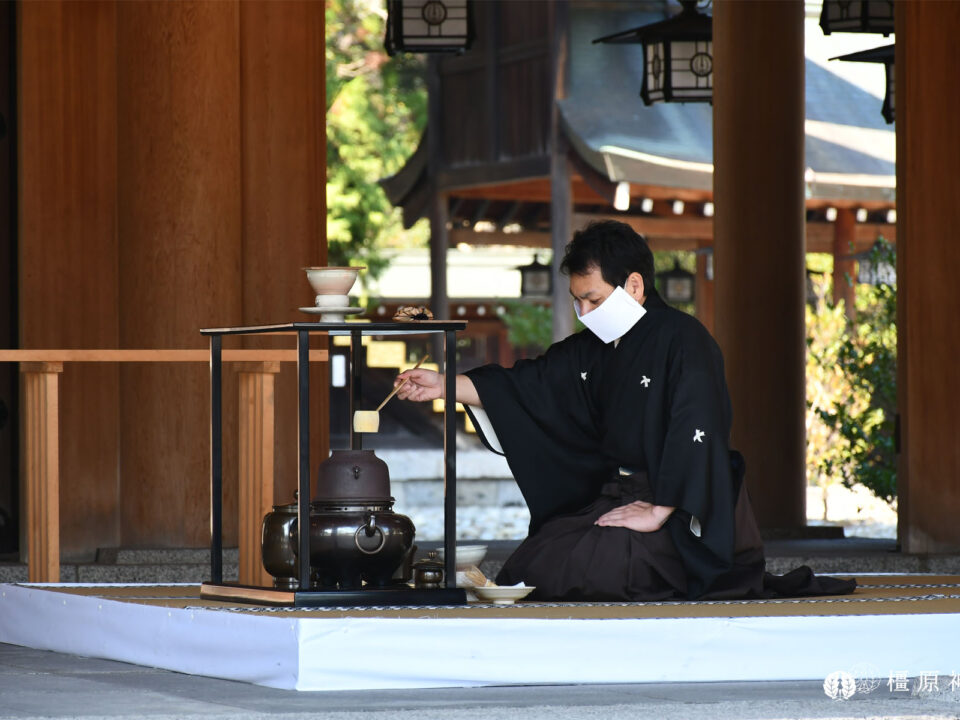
(614, 316)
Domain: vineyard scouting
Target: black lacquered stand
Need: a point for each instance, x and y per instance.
(216, 588)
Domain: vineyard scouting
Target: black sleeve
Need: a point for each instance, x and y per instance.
(539, 411)
(694, 473)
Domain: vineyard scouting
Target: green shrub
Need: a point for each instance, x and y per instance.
(851, 387)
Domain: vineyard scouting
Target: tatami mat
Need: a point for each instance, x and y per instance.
(875, 594)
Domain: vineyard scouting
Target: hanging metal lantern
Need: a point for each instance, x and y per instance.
(883, 55)
(428, 26)
(813, 297)
(876, 266)
(678, 285)
(678, 56)
(536, 279)
(857, 16)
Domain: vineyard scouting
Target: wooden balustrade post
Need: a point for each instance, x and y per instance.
(41, 468)
(256, 463)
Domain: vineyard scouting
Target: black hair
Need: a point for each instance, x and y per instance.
(612, 246)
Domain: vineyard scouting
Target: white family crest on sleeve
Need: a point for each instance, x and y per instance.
(583, 376)
(645, 381)
(698, 436)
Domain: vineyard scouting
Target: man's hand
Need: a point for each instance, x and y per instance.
(421, 386)
(640, 516)
(426, 385)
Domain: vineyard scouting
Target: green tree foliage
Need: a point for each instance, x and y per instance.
(529, 326)
(829, 455)
(376, 112)
(851, 388)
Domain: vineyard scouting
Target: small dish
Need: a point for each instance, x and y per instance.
(331, 314)
(467, 555)
(502, 595)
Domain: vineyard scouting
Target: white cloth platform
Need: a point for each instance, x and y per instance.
(277, 649)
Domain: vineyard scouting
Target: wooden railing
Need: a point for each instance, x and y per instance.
(40, 416)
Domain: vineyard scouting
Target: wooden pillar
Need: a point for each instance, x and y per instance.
(758, 112)
(844, 278)
(255, 466)
(439, 245)
(179, 219)
(284, 159)
(66, 147)
(704, 286)
(439, 210)
(41, 469)
(561, 191)
(928, 154)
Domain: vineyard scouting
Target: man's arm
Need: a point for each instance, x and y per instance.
(426, 385)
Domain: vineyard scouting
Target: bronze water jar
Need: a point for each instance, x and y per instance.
(278, 544)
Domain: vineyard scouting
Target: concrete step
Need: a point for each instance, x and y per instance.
(173, 565)
(126, 573)
(135, 565)
(855, 555)
(161, 556)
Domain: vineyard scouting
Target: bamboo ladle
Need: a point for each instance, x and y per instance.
(368, 421)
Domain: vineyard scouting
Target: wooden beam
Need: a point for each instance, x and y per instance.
(537, 189)
(525, 238)
(821, 204)
(487, 174)
(820, 236)
(198, 355)
(531, 190)
(676, 232)
(674, 226)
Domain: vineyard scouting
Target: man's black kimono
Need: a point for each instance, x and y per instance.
(590, 426)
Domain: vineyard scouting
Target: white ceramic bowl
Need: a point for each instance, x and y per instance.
(501, 595)
(467, 554)
(332, 280)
